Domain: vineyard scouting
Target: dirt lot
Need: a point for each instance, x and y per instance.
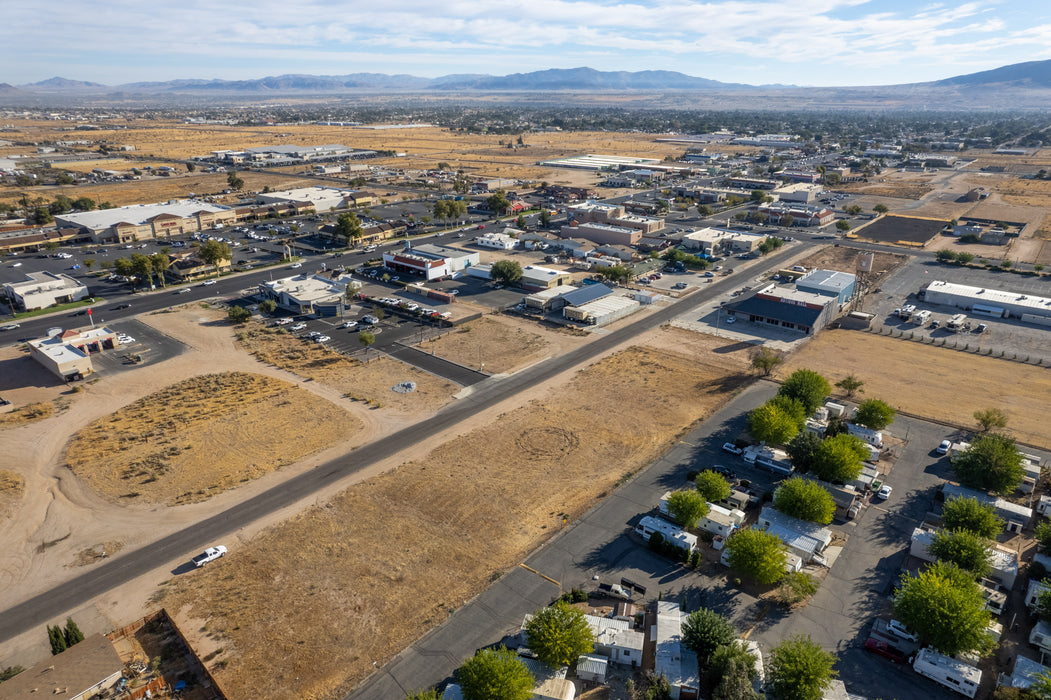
(845, 260)
(12, 486)
(202, 436)
(932, 381)
(502, 343)
(356, 580)
(370, 382)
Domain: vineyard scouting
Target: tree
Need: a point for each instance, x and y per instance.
(72, 633)
(843, 225)
(367, 339)
(704, 210)
(1043, 536)
(84, 204)
(853, 209)
(497, 202)
(788, 221)
(1042, 609)
(731, 671)
(802, 449)
(545, 218)
(444, 166)
(559, 634)
(965, 549)
(874, 414)
(713, 486)
(991, 463)
(42, 215)
(89, 262)
(764, 359)
(64, 179)
(1041, 685)
(792, 407)
(972, 515)
(234, 181)
(758, 555)
(495, 674)
(989, 418)
(800, 670)
(268, 306)
(429, 694)
(758, 196)
(796, 587)
(123, 267)
(805, 499)
(614, 273)
(880, 209)
(10, 672)
(806, 385)
(507, 272)
(160, 262)
(705, 630)
(238, 314)
(945, 608)
(213, 252)
(143, 267)
(520, 222)
(839, 458)
(348, 227)
(687, 507)
(771, 424)
(57, 638)
(850, 385)
(190, 167)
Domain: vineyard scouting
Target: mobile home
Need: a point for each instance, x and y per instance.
(953, 674)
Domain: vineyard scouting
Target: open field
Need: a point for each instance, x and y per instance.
(12, 486)
(845, 260)
(27, 414)
(931, 381)
(369, 382)
(202, 436)
(352, 582)
(502, 343)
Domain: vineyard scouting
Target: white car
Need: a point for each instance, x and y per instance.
(732, 448)
(321, 339)
(126, 340)
(884, 492)
(208, 283)
(731, 319)
(296, 266)
(184, 290)
(900, 630)
(9, 327)
(208, 555)
(350, 324)
(298, 327)
(17, 264)
(943, 447)
(282, 321)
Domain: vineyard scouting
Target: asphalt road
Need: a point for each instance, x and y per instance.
(464, 376)
(53, 603)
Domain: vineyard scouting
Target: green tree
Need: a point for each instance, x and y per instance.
(808, 387)
(805, 499)
(989, 418)
(758, 196)
(944, 607)
(704, 631)
(72, 633)
(687, 507)
(190, 167)
(234, 181)
(799, 669)
(843, 225)
(614, 273)
(10, 672)
(874, 414)
(771, 424)
(441, 209)
(731, 671)
(429, 694)
(758, 555)
(143, 267)
(268, 306)
(764, 359)
(545, 218)
(84, 204)
(123, 267)
(965, 549)
(1042, 608)
(712, 486)
(498, 202)
(508, 272)
(367, 339)
(880, 209)
(348, 227)
(850, 385)
(792, 407)
(853, 209)
(1043, 535)
(42, 215)
(214, 252)
(991, 463)
(521, 223)
(839, 458)
(796, 587)
(704, 210)
(802, 450)
(559, 634)
(788, 221)
(495, 674)
(972, 515)
(1041, 685)
(57, 638)
(160, 262)
(64, 179)
(238, 314)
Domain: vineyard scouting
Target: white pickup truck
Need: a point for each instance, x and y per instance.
(210, 554)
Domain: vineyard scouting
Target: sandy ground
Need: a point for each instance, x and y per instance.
(376, 566)
(501, 342)
(932, 381)
(846, 260)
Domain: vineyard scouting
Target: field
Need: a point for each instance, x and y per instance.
(354, 581)
(369, 382)
(502, 343)
(845, 260)
(930, 381)
(202, 436)
(12, 486)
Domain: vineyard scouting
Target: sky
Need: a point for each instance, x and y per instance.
(797, 42)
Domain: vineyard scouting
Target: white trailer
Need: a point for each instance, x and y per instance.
(957, 322)
(953, 674)
(920, 318)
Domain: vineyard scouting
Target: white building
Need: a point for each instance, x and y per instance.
(1004, 563)
(148, 221)
(322, 198)
(322, 294)
(1015, 516)
(953, 674)
(68, 355)
(721, 521)
(994, 303)
(602, 311)
(648, 526)
(43, 289)
(430, 261)
(616, 640)
(1024, 673)
(671, 657)
(496, 241)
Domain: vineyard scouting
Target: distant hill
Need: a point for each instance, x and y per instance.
(57, 83)
(1029, 74)
(8, 89)
(585, 79)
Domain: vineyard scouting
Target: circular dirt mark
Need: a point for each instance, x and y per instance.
(547, 443)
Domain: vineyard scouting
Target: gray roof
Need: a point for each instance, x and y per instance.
(768, 308)
(831, 281)
(585, 294)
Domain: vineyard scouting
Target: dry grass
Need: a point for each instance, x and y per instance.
(91, 555)
(369, 382)
(931, 381)
(845, 260)
(202, 436)
(12, 486)
(27, 413)
(901, 190)
(500, 342)
(355, 581)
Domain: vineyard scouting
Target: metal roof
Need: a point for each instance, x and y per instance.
(591, 292)
(828, 280)
(768, 308)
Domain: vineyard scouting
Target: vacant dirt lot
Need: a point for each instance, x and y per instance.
(370, 382)
(845, 260)
(931, 381)
(202, 436)
(503, 344)
(354, 581)
(12, 486)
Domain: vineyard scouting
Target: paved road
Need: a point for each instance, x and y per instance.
(53, 603)
(464, 376)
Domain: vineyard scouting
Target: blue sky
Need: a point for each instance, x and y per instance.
(802, 42)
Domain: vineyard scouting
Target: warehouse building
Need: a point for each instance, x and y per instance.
(147, 221)
(791, 309)
(320, 199)
(430, 261)
(536, 278)
(602, 234)
(988, 302)
(830, 283)
(601, 311)
(43, 289)
(551, 299)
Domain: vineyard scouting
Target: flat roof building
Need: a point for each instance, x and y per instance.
(831, 283)
(602, 234)
(536, 278)
(805, 539)
(67, 355)
(148, 221)
(995, 303)
(602, 311)
(430, 261)
(790, 309)
(672, 659)
(322, 294)
(321, 199)
(43, 289)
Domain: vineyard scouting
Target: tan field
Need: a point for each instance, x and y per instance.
(502, 343)
(926, 380)
(356, 580)
(202, 436)
(12, 486)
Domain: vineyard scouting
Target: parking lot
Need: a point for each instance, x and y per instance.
(1008, 335)
(150, 345)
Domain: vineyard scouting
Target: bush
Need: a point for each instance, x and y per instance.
(238, 314)
(796, 587)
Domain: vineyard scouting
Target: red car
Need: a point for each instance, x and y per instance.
(885, 650)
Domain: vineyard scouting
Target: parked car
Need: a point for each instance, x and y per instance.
(295, 266)
(885, 650)
(614, 590)
(943, 447)
(899, 630)
(298, 327)
(731, 319)
(282, 321)
(732, 448)
(884, 492)
(980, 328)
(321, 339)
(350, 324)
(209, 555)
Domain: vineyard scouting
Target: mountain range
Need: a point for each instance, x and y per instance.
(1019, 80)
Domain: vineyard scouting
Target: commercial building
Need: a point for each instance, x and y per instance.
(187, 266)
(994, 303)
(430, 261)
(496, 241)
(321, 294)
(790, 309)
(601, 311)
(68, 355)
(536, 278)
(752, 183)
(592, 161)
(602, 234)
(148, 221)
(808, 176)
(830, 283)
(319, 199)
(551, 299)
(721, 241)
(803, 192)
(801, 214)
(613, 214)
(290, 155)
(672, 659)
(43, 289)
